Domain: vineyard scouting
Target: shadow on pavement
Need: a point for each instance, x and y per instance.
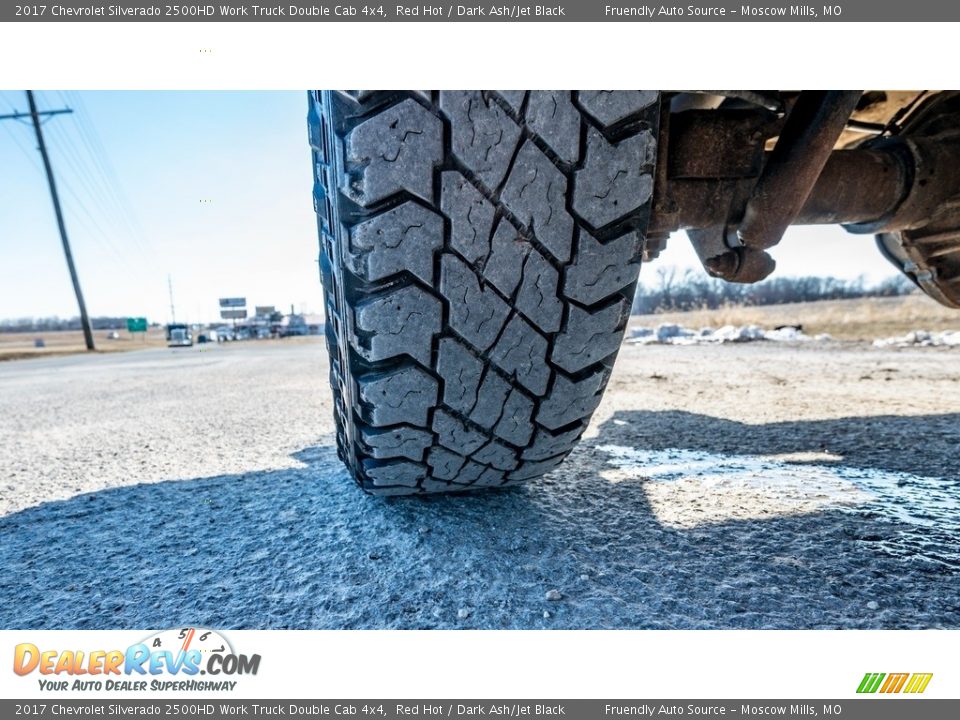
(304, 548)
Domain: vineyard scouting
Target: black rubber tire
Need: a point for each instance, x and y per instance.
(479, 253)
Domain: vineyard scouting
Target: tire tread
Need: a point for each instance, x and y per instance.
(479, 252)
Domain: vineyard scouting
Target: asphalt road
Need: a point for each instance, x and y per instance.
(751, 486)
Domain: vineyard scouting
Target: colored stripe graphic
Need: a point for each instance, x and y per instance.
(894, 683)
(918, 682)
(870, 682)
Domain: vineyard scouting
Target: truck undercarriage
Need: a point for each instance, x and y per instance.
(480, 249)
(735, 169)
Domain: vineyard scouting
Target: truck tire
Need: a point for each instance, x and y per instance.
(479, 253)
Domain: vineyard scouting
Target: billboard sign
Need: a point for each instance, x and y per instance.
(235, 302)
(233, 314)
(265, 310)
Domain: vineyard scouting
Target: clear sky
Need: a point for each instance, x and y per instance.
(214, 189)
(804, 250)
(217, 187)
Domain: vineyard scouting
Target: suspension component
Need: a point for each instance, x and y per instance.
(812, 129)
(735, 199)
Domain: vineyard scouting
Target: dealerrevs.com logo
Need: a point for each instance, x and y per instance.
(889, 683)
(167, 660)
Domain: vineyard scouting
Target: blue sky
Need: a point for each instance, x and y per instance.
(214, 189)
(218, 187)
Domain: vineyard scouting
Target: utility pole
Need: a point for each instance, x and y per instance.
(173, 312)
(35, 116)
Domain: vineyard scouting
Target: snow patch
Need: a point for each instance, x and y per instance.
(922, 338)
(672, 334)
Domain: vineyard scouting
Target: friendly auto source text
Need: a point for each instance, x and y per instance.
(698, 710)
(651, 11)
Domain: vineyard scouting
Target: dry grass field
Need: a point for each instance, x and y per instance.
(865, 319)
(17, 346)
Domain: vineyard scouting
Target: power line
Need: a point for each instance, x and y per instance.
(81, 173)
(98, 174)
(26, 153)
(8, 103)
(95, 208)
(93, 183)
(90, 171)
(35, 116)
(106, 170)
(89, 222)
(97, 229)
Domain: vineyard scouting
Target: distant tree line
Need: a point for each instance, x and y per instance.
(669, 290)
(49, 324)
(674, 290)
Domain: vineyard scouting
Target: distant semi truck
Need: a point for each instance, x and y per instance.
(179, 335)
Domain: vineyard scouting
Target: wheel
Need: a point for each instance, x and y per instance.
(479, 253)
